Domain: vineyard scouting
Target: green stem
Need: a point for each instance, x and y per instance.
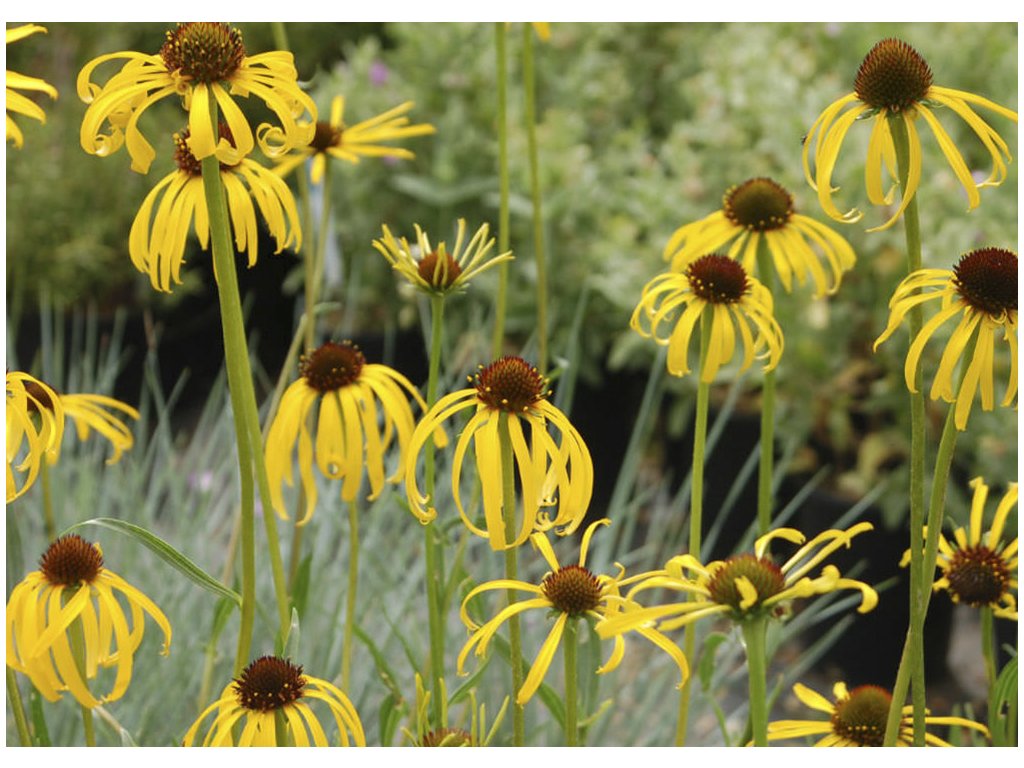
(350, 597)
(501, 300)
(508, 487)
(700, 432)
(530, 88)
(754, 631)
(988, 649)
(918, 576)
(77, 638)
(766, 466)
(570, 641)
(431, 541)
(49, 522)
(20, 721)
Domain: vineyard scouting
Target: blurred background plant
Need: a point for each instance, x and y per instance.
(642, 128)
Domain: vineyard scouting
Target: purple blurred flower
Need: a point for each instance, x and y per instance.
(379, 73)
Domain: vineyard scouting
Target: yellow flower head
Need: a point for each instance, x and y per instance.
(344, 142)
(266, 687)
(857, 718)
(895, 83)
(744, 586)
(761, 209)
(198, 60)
(362, 408)
(440, 734)
(34, 431)
(571, 591)
(16, 102)
(510, 392)
(71, 586)
(733, 300)
(156, 242)
(978, 568)
(981, 293)
(436, 270)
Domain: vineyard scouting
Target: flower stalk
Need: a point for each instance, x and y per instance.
(18, 708)
(530, 88)
(348, 633)
(508, 484)
(570, 644)
(754, 633)
(765, 467)
(501, 300)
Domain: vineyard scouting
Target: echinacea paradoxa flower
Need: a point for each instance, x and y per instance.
(269, 686)
(344, 142)
(359, 408)
(980, 294)
(744, 586)
(738, 303)
(198, 60)
(88, 412)
(71, 586)
(759, 210)
(34, 432)
(156, 242)
(895, 83)
(857, 718)
(979, 568)
(570, 592)
(436, 269)
(18, 103)
(552, 473)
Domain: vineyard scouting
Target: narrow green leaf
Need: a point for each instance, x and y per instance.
(40, 733)
(390, 715)
(706, 665)
(384, 670)
(300, 594)
(165, 552)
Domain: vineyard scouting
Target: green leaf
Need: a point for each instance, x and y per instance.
(300, 594)
(384, 670)
(390, 715)
(706, 665)
(165, 552)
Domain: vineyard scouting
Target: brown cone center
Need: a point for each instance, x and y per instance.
(892, 76)
(207, 52)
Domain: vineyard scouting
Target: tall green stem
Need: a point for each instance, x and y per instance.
(700, 433)
(912, 230)
(350, 597)
(49, 523)
(18, 708)
(76, 635)
(570, 641)
(754, 631)
(243, 406)
(988, 649)
(530, 88)
(501, 300)
(508, 486)
(431, 541)
(765, 469)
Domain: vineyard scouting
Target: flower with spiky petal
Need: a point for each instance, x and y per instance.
(440, 734)
(34, 432)
(510, 391)
(571, 592)
(344, 142)
(761, 209)
(736, 301)
(156, 242)
(981, 290)
(744, 586)
(269, 686)
(88, 412)
(72, 586)
(978, 568)
(895, 83)
(435, 270)
(19, 103)
(362, 408)
(199, 61)
(857, 718)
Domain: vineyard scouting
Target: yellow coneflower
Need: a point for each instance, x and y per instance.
(342, 141)
(72, 585)
(362, 408)
(197, 59)
(571, 592)
(559, 474)
(761, 209)
(33, 430)
(156, 242)
(981, 290)
(895, 83)
(738, 302)
(857, 719)
(16, 102)
(269, 686)
(438, 270)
